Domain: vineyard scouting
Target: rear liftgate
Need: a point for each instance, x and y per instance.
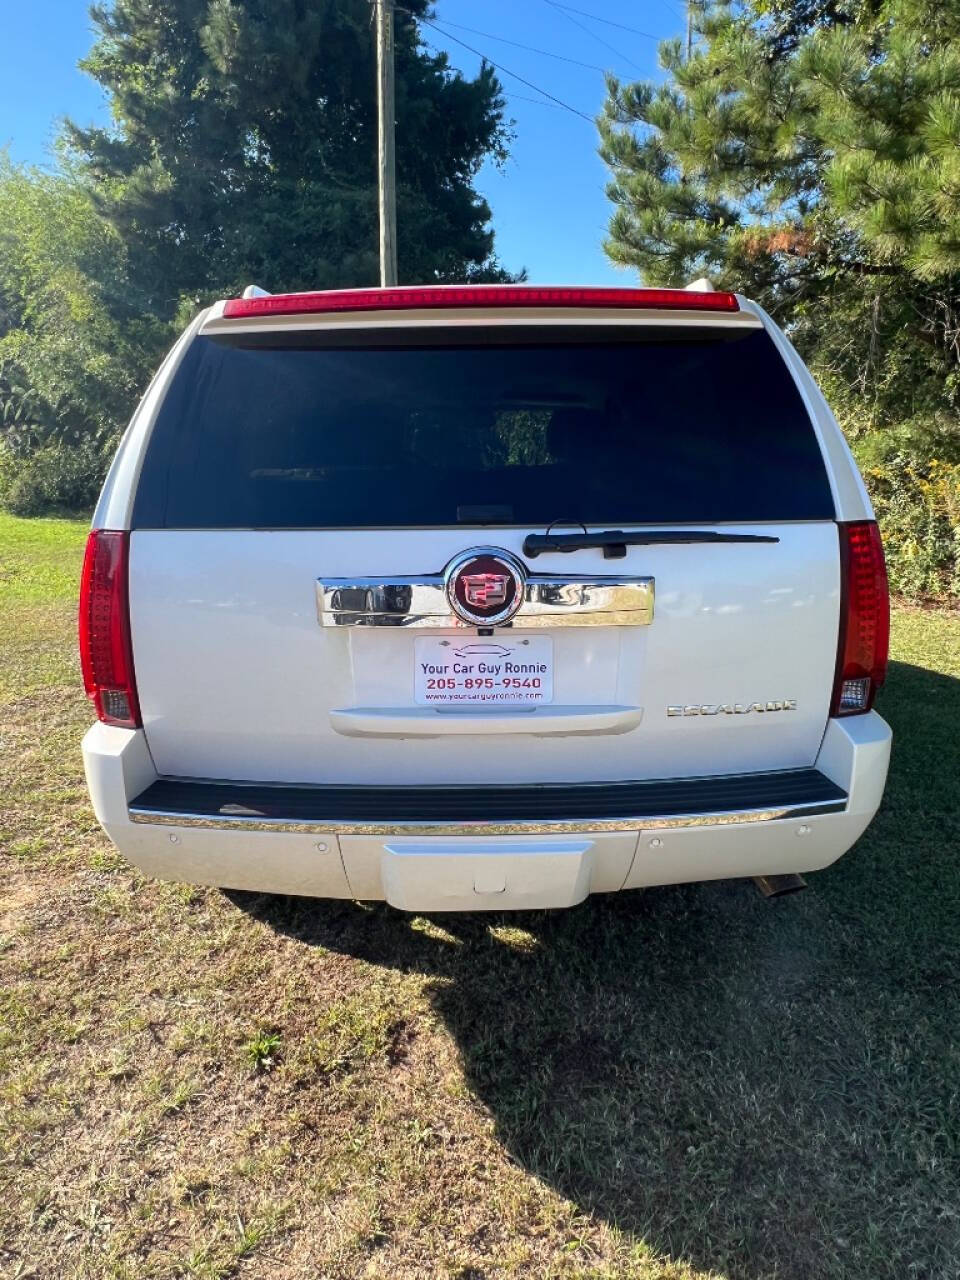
(493, 682)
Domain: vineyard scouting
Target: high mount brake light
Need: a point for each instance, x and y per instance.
(106, 653)
(864, 620)
(478, 295)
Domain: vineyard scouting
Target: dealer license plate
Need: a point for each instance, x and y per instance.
(471, 672)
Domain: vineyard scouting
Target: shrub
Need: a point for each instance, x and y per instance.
(54, 478)
(917, 501)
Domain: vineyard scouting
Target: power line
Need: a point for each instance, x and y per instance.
(591, 66)
(554, 105)
(595, 17)
(513, 97)
(592, 34)
(672, 9)
(486, 58)
(523, 97)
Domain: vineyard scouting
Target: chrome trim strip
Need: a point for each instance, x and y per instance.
(549, 600)
(251, 822)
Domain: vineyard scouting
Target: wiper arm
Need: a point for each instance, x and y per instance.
(614, 542)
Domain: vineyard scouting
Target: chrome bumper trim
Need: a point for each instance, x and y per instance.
(579, 826)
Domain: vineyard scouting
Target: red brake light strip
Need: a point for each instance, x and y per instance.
(428, 297)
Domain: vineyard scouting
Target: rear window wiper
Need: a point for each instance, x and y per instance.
(614, 542)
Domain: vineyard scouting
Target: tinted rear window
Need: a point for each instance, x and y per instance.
(269, 431)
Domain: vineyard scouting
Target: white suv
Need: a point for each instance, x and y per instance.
(483, 597)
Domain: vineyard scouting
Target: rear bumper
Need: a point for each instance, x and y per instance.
(426, 848)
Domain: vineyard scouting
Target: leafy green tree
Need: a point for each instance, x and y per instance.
(71, 359)
(243, 147)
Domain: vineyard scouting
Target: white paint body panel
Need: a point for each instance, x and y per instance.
(237, 679)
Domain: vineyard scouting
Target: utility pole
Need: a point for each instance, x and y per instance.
(689, 28)
(386, 165)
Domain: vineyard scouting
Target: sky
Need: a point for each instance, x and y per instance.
(549, 209)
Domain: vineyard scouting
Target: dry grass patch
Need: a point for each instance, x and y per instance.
(668, 1086)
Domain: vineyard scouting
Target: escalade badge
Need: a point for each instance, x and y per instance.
(731, 708)
(485, 586)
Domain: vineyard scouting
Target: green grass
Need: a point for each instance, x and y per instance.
(675, 1085)
(39, 574)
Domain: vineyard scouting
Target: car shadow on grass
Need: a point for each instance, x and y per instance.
(758, 1088)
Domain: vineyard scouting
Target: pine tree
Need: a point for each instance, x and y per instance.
(808, 154)
(837, 144)
(243, 147)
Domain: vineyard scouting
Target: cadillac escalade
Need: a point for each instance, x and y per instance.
(483, 597)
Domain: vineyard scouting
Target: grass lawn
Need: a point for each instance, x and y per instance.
(684, 1083)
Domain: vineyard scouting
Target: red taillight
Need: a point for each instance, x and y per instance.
(106, 654)
(477, 295)
(864, 619)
